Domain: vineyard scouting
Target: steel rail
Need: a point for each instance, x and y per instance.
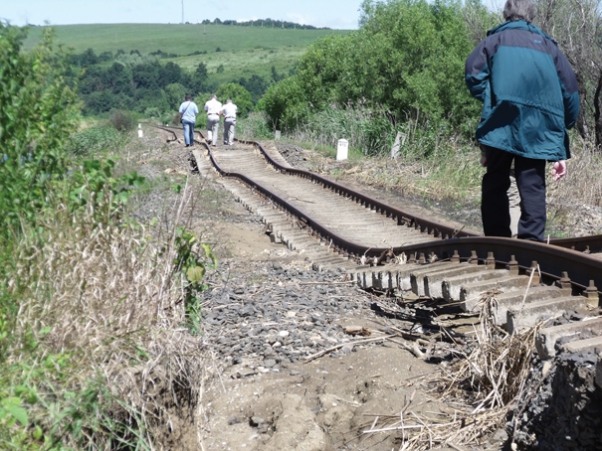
(552, 259)
(591, 243)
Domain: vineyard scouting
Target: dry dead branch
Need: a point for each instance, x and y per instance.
(485, 384)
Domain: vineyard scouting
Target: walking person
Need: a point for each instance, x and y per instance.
(188, 111)
(229, 112)
(214, 110)
(530, 99)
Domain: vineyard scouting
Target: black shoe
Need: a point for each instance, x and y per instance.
(187, 145)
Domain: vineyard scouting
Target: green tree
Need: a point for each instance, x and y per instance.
(256, 85)
(175, 93)
(322, 68)
(37, 111)
(198, 80)
(239, 95)
(285, 104)
(407, 58)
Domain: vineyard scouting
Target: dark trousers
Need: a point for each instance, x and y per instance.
(531, 182)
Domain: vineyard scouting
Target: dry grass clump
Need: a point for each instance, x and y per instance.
(582, 182)
(103, 295)
(483, 386)
(497, 369)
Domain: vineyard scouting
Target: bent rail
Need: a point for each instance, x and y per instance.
(553, 259)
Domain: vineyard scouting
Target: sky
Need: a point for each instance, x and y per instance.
(337, 14)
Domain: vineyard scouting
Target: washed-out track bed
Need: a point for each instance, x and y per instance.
(389, 250)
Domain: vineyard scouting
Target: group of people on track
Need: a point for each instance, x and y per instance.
(214, 109)
(530, 99)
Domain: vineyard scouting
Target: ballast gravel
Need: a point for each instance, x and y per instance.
(275, 314)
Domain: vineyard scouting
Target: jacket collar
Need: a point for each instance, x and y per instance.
(519, 25)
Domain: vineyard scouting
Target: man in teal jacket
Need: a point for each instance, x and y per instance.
(530, 99)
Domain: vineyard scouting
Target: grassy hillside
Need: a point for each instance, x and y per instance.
(243, 51)
(178, 39)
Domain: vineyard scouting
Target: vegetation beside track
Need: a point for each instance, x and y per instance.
(93, 304)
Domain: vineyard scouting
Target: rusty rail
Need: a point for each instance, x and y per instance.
(553, 259)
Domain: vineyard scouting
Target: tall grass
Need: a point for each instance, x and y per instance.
(253, 127)
(373, 132)
(92, 331)
(583, 181)
(94, 140)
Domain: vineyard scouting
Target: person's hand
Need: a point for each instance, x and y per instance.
(483, 161)
(559, 170)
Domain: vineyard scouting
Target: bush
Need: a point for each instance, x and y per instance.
(239, 95)
(285, 104)
(152, 112)
(407, 58)
(37, 112)
(123, 121)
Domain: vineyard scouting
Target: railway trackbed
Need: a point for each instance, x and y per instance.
(386, 249)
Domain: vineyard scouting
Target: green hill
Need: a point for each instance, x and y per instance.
(179, 39)
(243, 50)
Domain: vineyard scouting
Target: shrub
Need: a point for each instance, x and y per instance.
(152, 112)
(407, 58)
(239, 95)
(285, 105)
(37, 111)
(123, 121)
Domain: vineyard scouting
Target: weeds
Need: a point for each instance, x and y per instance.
(93, 348)
(123, 121)
(253, 127)
(96, 140)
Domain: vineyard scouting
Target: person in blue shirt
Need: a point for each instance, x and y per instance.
(530, 98)
(188, 111)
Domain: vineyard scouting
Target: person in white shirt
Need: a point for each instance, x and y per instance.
(188, 111)
(229, 112)
(213, 109)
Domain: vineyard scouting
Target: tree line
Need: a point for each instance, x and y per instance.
(270, 23)
(144, 84)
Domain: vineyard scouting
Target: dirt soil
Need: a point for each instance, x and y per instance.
(265, 312)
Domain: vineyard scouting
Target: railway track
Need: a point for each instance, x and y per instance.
(387, 249)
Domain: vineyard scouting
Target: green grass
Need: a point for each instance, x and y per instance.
(178, 39)
(244, 51)
(244, 62)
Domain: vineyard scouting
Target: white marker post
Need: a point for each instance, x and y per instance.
(277, 135)
(140, 134)
(342, 149)
(400, 140)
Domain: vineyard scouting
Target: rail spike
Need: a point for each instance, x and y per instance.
(592, 295)
(490, 262)
(513, 266)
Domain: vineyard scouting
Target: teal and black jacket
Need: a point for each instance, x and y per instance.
(528, 89)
